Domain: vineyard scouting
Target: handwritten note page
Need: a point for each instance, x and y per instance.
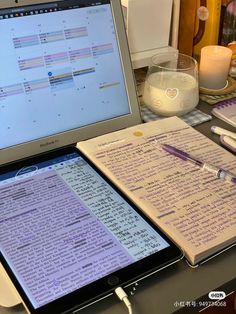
(193, 207)
(59, 233)
(79, 244)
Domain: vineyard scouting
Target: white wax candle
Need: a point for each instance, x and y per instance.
(171, 93)
(214, 66)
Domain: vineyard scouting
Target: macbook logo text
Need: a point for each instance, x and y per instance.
(49, 143)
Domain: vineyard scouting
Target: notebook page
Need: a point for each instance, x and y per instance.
(226, 110)
(193, 207)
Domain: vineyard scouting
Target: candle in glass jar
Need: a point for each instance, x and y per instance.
(171, 93)
(214, 66)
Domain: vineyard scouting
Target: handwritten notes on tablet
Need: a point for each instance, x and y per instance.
(193, 207)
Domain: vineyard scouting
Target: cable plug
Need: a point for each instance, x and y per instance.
(124, 297)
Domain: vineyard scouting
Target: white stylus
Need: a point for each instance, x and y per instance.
(228, 142)
(221, 131)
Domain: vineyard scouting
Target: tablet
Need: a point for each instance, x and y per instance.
(68, 237)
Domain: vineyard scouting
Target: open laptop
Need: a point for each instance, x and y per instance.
(68, 237)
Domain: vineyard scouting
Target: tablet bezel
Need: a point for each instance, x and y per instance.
(107, 284)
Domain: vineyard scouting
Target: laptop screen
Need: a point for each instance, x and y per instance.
(63, 70)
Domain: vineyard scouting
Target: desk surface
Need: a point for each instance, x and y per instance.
(159, 293)
(205, 128)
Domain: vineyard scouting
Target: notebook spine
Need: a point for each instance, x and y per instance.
(226, 103)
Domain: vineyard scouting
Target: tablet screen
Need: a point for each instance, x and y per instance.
(63, 228)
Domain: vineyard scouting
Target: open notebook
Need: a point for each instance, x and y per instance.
(192, 206)
(68, 237)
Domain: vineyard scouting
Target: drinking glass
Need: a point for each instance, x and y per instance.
(171, 85)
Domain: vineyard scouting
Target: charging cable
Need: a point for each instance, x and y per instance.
(124, 297)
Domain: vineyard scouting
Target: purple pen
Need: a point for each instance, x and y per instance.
(218, 172)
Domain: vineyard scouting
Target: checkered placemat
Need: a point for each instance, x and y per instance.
(214, 99)
(192, 118)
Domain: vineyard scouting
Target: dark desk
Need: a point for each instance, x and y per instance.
(159, 293)
(205, 128)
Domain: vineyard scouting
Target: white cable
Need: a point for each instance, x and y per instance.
(123, 297)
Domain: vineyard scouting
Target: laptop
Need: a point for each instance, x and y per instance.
(68, 237)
